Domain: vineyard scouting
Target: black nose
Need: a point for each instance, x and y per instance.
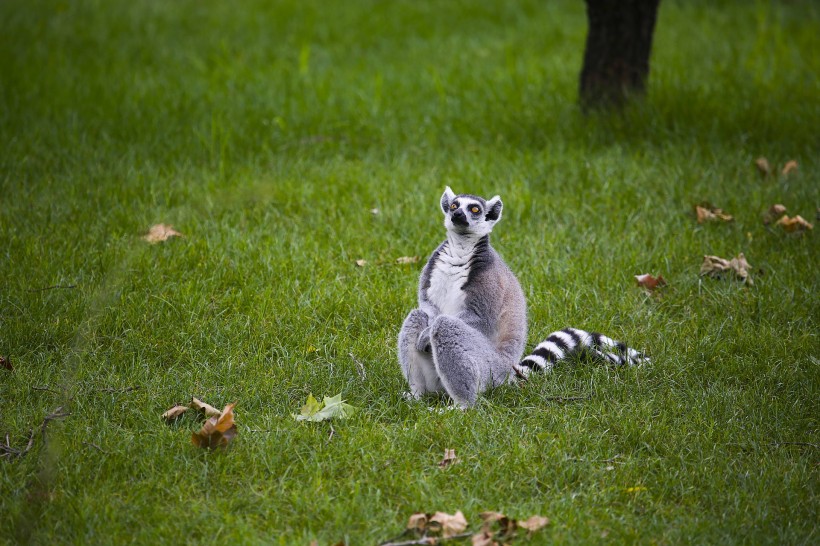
(459, 218)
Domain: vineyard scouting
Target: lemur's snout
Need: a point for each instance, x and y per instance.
(459, 218)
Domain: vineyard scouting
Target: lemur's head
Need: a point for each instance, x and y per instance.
(469, 214)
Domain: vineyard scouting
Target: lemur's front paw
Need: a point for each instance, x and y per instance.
(423, 343)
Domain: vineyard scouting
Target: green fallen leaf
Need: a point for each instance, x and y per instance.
(330, 408)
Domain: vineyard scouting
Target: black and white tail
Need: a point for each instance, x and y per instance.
(559, 345)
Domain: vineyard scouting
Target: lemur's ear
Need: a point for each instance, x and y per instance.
(447, 198)
(494, 206)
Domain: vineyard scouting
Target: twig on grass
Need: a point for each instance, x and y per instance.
(424, 541)
(332, 432)
(53, 416)
(46, 389)
(567, 398)
(95, 446)
(66, 286)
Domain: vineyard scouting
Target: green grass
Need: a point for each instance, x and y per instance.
(265, 131)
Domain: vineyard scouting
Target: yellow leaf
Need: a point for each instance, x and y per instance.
(160, 232)
(635, 489)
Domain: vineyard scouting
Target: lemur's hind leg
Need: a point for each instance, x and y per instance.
(464, 358)
(417, 365)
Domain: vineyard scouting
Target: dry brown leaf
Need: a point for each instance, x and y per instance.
(205, 409)
(361, 263)
(5, 362)
(506, 525)
(709, 214)
(417, 522)
(649, 282)
(160, 232)
(789, 167)
(449, 458)
(534, 523)
(714, 266)
(217, 431)
(407, 260)
(763, 167)
(798, 224)
(451, 524)
(489, 517)
(484, 538)
(174, 412)
(775, 211)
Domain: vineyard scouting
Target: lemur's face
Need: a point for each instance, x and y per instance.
(469, 214)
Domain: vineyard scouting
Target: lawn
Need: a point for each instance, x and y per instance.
(265, 132)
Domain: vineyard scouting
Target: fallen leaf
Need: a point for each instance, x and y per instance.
(205, 409)
(174, 412)
(451, 525)
(484, 538)
(330, 408)
(534, 523)
(311, 407)
(160, 232)
(775, 211)
(798, 224)
(789, 167)
(374, 211)
(417, 522)
(217, 431)
(5, 362)
(649, 282)
(407, 260)
(489, 517)
(714, 266)
(762, 165)
(710, 214)
(636, 489)
(449, 458)
(506, 525)
(361, 263)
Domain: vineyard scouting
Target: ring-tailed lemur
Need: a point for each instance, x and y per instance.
(469, 331)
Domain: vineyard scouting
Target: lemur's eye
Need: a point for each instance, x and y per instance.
(453, 206)
(475, 210)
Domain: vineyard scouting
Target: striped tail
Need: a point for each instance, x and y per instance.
(560, 345)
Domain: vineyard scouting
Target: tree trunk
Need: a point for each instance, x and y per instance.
(616, 59)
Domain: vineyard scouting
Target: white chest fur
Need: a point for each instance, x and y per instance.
(448, 277)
